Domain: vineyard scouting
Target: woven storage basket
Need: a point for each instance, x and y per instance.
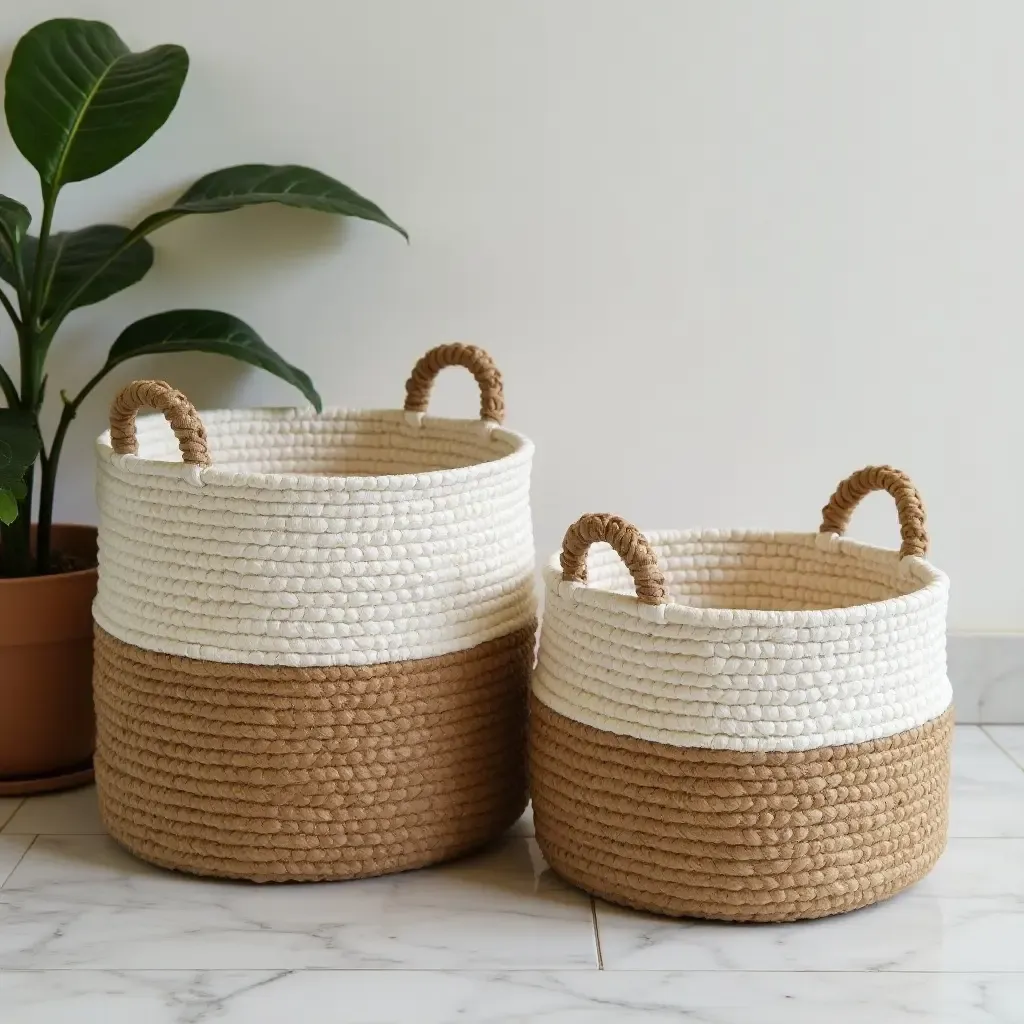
(314, 634)
(761, 733)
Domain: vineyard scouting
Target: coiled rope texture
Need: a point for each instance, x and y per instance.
(178, 410)
(312, 658)
(278, 774)
(629, 544)
(738, 836)
(771, 743)
(835, 516)
(476, 360)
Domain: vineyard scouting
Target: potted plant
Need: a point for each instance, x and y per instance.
(78, 102)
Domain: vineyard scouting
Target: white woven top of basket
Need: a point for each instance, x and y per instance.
(341, 538)
(755, 641)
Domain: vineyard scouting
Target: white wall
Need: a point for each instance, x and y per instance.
(724, 251)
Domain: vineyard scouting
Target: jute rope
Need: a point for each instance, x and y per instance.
(835, 516)
(628, 542)
(476, 360)
(733, 835)
(179, 411)
(278, 774)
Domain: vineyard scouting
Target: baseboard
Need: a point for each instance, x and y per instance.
(987, 673)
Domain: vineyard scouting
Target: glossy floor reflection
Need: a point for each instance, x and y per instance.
(87, 933)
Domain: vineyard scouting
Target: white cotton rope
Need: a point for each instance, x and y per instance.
(766, 642)
(341, 538)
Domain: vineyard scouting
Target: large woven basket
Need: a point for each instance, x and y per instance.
(761, 733)
(314, 634)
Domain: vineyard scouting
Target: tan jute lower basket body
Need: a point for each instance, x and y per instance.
(734, 835)
(292, 774)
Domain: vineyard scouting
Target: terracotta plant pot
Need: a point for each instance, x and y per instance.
(46, 718)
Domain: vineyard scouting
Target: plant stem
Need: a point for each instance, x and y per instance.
(49, 204)
(11, 311)
(25, 355)
(32, 342)
(48, 483)
(50, 461)
(48, 488)
(31, 350)
(9, 390)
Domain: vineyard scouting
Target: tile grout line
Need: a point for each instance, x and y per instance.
(13, 814)
(597, 935)
(1001, 748)
(10, 874)
(489, 971)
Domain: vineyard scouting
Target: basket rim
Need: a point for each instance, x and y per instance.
(934, 585)
(521, 451)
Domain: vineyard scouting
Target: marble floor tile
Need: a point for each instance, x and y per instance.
(524, 997)
(906, 933)
(977, 868)
(987, 797)
(58, 814)
(967, 915)
(81, 901)
(1009, 738)
(8, 805)
(12, 849)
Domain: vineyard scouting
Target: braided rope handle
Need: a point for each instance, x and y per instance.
(179, 412)
(630, 544)
(835, 516)
(476, 360)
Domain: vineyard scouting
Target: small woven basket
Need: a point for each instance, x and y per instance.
(312, 657)
(761, 733)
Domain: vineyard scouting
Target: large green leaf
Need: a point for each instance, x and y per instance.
(14, 222)
(206, 330)
(19, 448)
(8, 506)
(72, 257)
(253, 184)
(78, 101)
